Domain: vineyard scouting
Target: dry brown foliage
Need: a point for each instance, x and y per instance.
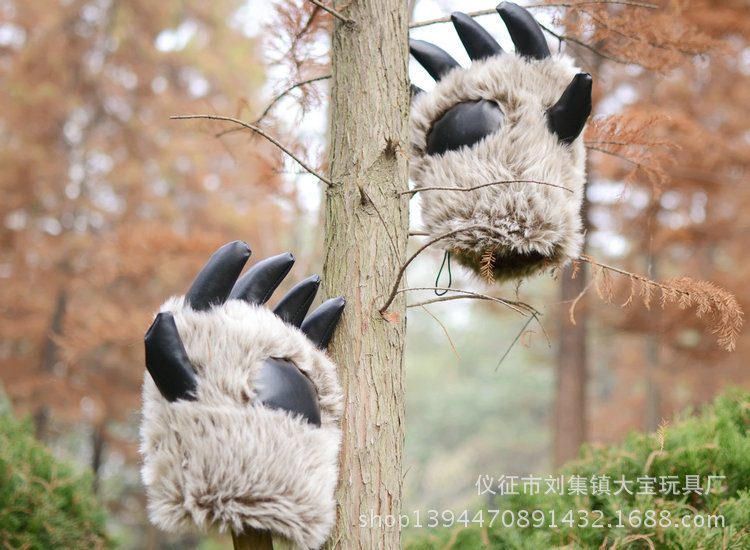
(718, 308)
(650, 34)
(295, 36)
(487, 263)
(633, 136)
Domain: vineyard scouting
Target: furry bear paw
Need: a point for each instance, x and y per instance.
(505, 133)
(241, 406)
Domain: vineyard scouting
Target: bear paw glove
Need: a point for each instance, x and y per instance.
(513, 118)
(242, 409)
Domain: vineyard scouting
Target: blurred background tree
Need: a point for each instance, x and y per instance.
(108, 207)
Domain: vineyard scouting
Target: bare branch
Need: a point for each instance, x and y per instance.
(260, 132)
(429, 243)
(513, 343)
(618, 155)
(467, 189)
(445, 330)
(592, 49)
(274, 101)
(448, 19)
(333, 12)
(571, 5)
(519, 307)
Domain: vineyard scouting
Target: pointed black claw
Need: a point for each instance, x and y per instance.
(257, 285)
(478, 43)
(215, 280)
(281, 385)
(321, 323)
(524, 31)
(414, 91)
(167, 360)
(567, 117)
(293, 307)
(435, 60)
(464, 124)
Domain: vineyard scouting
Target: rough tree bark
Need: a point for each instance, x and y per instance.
(365, 242)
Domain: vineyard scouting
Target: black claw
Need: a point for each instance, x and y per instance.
(293, 307)
(281, 385)
(524, 31)
(257, 285)
(435, 60)
(464, 124)
(478, 43)
(321, 323)
(214, 282)
(567, 117)
(167, 360)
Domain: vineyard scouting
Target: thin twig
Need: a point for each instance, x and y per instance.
(557, 5)
(513, 343)
(260, 132)
(518, 307)
(274, 101)
(619, 156)
(447, 19)
(467, 189)
(590, 143)
(298, 37)
(590, 260)
(429, 243)
(565, 38)
(445, 330)
(333, 12)
(382, 220)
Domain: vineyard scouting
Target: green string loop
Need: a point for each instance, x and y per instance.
(446, 257)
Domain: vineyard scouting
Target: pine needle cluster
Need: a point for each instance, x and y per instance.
(633, 137)
(635, 32)
(715, 306)
(43, 503)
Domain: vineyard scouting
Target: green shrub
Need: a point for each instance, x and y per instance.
(715, 443)
(44, 504)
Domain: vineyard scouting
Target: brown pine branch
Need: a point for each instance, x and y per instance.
(488, 266)
(261, 133)
(718, 307)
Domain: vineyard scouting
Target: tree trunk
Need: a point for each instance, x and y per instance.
(49, 358)
(570, 394)
(366, 231)
(572, 363)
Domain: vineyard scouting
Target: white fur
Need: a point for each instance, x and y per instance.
(224, 462)
(518, 219)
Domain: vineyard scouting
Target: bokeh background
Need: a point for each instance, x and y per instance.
(107, 207)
